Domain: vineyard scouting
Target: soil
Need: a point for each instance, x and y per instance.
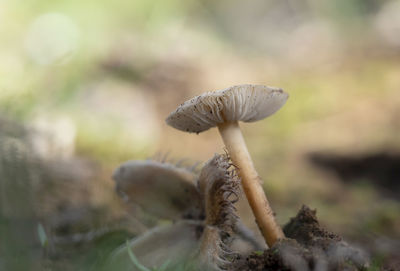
(308, 246)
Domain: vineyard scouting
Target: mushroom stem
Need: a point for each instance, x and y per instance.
(251, 182)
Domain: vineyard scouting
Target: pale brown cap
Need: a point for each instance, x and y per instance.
(247, 103)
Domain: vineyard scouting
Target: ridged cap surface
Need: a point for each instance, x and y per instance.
(247, 103)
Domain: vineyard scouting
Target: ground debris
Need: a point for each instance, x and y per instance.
(308, 246)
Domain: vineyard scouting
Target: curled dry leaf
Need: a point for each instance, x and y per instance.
(172, 192)
(160, 188)
(219, 187)
(170, 243)
(213, 254)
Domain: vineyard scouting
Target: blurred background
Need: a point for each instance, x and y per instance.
(86, 85)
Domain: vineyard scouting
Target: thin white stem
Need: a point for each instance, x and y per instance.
(251, 182)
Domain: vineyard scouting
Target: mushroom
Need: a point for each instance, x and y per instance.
(224, 109)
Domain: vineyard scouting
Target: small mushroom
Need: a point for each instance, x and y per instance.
(224, 109)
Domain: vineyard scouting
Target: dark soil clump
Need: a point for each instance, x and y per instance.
(308, 246)
(305, 229)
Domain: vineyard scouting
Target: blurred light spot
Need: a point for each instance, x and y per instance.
(53, 136)
(51, 38)
(129, 108)
(388, 23)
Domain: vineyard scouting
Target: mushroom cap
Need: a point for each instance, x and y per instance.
(246, 103)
